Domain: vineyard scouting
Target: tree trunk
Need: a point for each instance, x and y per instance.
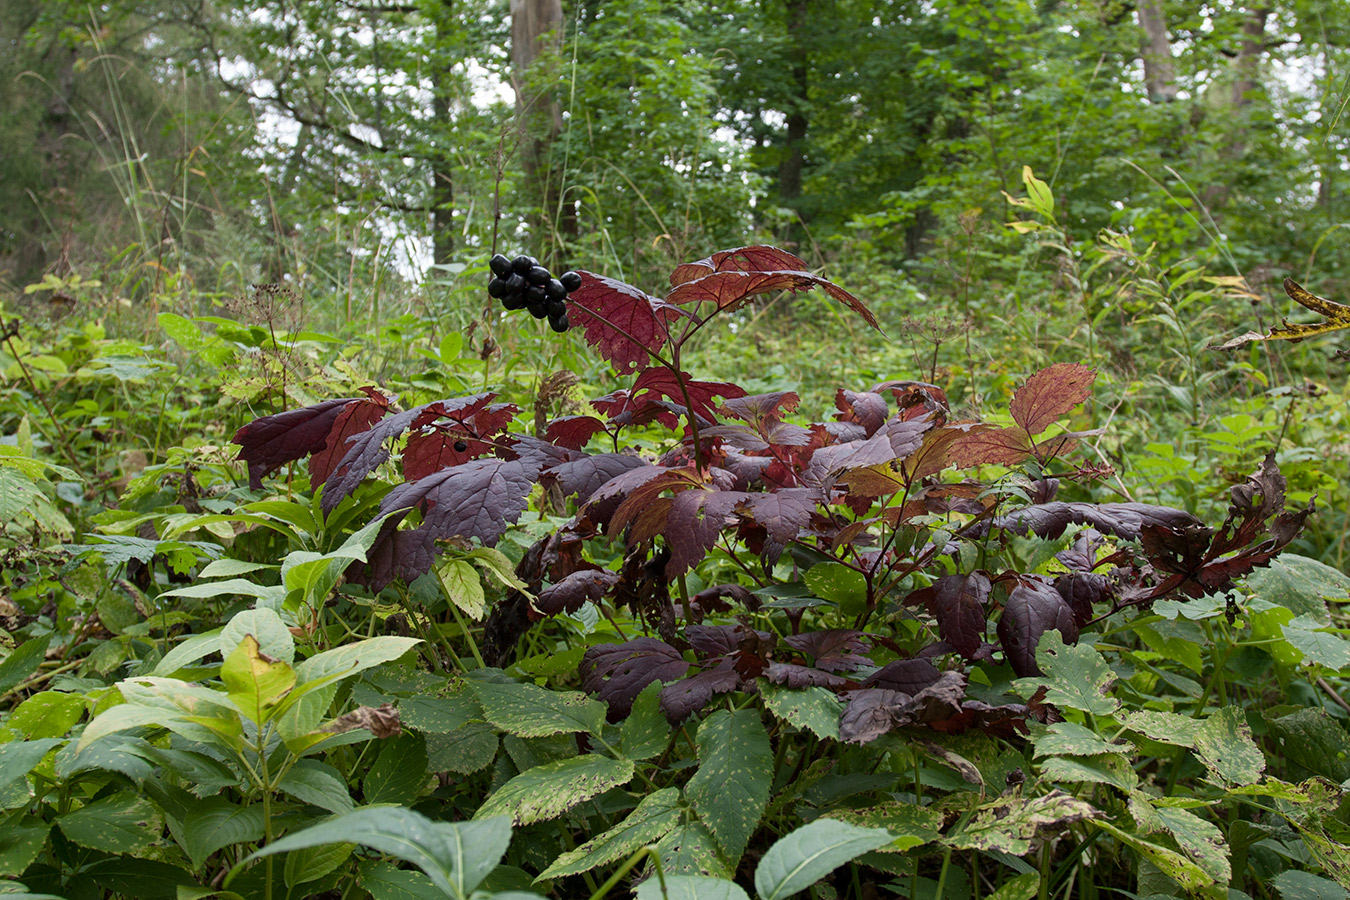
(537, 29)
(798, 114)
(442, 176)
(1160, 74)
(1246, 80)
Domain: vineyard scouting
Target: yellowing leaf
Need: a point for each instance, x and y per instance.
(254, 680)
(1336, 316)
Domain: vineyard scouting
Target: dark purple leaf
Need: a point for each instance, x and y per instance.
(959, 605)
(1081, 590)
(1123, 520)
(1033, 608)
(867, 409)
(794, 675)
(396, 553)
(617, 673)
(620, 321)
(570, 594)
(480, 498)
(713, 643)
(269, 443)
(536, 453)
(1081, 555)
(713, 599)
(695, 521)
(834, 649)
(585, 476)
(468, 435)
(906, 675)
(782, 513)
(872, 712)
(687, 696)
(761, 409)
(355, 418)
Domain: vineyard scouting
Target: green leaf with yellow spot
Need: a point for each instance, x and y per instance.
(547, 791)
(735, 772)
(653, 819)
(527, 710)
(254, 680)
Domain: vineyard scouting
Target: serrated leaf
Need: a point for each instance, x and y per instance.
(690, 887)
(1296, 885)
(622, 323)
(349, 659)
(808, 854)
(456, 856)
(527, 710)
(1201, 840)
(215, 822)
(547, 791)
(18, 758)
(119, 823)
(464, 751)
(1075, 677)
(268, 443)
(463, 587)
(306, 865)
(691, 850)
(1032, 614)
(837, 582)
(399, 772)
(1050, 394)
(1112, 768)
(1314, 740)
(385, 881)
(652, 820)
(254, 681)
(1224, 744)
(20, 843)
(1173, 864)
(1323, 648)
(46, 714)
(1300, 584)
(735, 772)
(1070, 739)
(1009, 824)
(22, 662)
(646, 731)
(1168, 728)
(814, 708)
(317, 783)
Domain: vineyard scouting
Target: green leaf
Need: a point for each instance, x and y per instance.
(690, 887)
(1038, 194)
(272, 635)
(347, 660)
(1314, 740)
(646, 731)
(1224, 744)
(18, 758)
(215, 822)
(813, 709)
(20, 843)
(1069, 739)
(808, 854)
(456, 856)
(653, 819)
(1075, 676)
(838, 583)
(1322, 648)
(23, 662)
(399, 772)
(255, 681)
(1295, 885)
(1202, 841)
(314, 862)
(691, 850)
(496, 563)
(225, 567)
(440, 715)
(527, 710)
(463, 587)
(385, 881)
(120, 823)
(230, 587)
(18, 493)
(189, 651)
(47, 714)
(1168, 728)
(139, 878)
(547, 791)
(909, 825)
(1300, 584)
(735, 773)
(463, 751)
(1173, 864)
(1113, 769)
(1023, 887)
(317, 783)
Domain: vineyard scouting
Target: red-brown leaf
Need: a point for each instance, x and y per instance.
(620, 321)
(355, 418)
(1050, 393)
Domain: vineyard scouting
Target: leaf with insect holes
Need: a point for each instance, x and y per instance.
(355, 418)
(1033, 608)
(269, 443)
(659, 380)
(757, 258)
(621, 322)
(1076, 677)
(1335, 317)
(467, 436)
(367, 450)
(617, 673)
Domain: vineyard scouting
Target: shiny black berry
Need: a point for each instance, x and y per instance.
(514, 301)
(500, 265)
(537, 275)
(535, 293)
(522, 264)
(515, 284)
(559, 324)
(555, 290)
(538, 310)
(461, 446)
(497, 288)
(556, 308)
(570, 280)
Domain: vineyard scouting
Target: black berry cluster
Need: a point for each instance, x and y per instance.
(522, 283)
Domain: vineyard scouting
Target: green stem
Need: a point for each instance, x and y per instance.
(464, 627)
(639, 856)
(942, 875)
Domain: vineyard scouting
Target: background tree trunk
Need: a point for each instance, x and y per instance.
(442, 176)
(537, 29)
(1160, 74)
(798, 117)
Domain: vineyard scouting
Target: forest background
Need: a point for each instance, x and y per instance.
(219, 212)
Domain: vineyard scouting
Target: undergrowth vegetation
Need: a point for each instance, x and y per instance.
(760, 587)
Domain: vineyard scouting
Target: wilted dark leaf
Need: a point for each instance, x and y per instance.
(834, 649)
(660, 381)
(794, 675)
(620, 321)
(714, 599)
(570, 594)
(269, 443)
(1033, 608)
(959, 605)
(757, 258)
(1123, 520)
(1335, 316)
(868, 409)
(871, 712)
(617, 673)
(907, 675)
(381, 721)
(355, 418)
(1049, 394)
(687, 696)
